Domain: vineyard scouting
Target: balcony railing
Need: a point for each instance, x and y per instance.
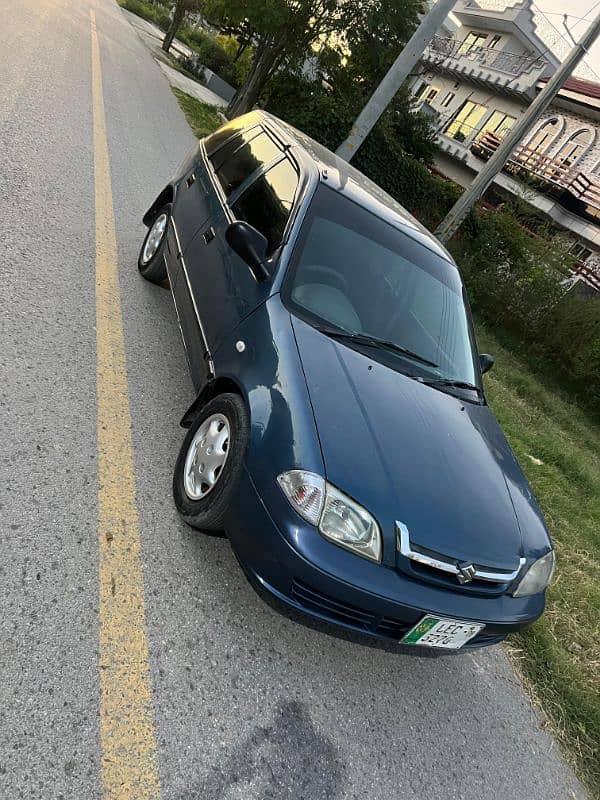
(551, 171)
(441, 47)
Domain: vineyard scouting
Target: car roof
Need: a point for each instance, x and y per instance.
(346, 179)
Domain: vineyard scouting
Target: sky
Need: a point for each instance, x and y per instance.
(576, 8)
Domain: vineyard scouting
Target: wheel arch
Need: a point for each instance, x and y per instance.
(211, 390)
(166, 196)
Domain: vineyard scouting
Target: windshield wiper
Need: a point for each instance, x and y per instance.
(452, 383)
(374, 341)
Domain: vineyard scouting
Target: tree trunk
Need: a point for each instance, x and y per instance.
(260, 71)
(176, 20)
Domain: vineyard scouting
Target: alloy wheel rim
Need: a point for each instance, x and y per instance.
(206, 456)
(154, 238)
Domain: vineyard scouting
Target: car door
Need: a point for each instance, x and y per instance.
(256, 182)
(192, 204)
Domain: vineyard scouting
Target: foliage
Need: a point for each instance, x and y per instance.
(513, 276)
(158, 13)
(368, 49)
(516, 281)
(195, 37)
(180, 10)
(217, 53)
(203, 119)
(572, 339)
(559, 655)
(386, 156)
(283, 31)
(240, 54)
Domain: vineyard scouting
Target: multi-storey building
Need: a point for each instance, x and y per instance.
(476, 79)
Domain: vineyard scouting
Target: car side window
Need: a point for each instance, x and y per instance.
(267, 203)
(238, 159)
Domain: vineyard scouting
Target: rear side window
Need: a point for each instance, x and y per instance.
(267, 203)
(239, 158)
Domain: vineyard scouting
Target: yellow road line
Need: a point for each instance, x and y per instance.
(127, 737)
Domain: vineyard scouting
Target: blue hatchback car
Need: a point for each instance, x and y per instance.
(340, 433)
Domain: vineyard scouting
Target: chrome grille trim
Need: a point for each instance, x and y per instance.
(454, 567)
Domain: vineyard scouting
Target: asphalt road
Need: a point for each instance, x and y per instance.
(247, 703)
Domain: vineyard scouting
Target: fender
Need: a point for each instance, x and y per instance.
(171, 190)
(166, 196)
(211, 389)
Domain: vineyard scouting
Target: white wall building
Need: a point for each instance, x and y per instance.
(477, 80)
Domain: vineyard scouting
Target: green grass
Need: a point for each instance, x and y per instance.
(203, 119)
(559, 656)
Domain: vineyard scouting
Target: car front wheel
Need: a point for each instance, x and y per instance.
(151, 262)
(210, 462)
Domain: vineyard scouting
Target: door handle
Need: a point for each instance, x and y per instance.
(209, 235)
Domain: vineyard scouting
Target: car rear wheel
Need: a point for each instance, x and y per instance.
(151, 262)
(210, 462)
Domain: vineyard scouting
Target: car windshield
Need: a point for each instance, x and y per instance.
(353, 272)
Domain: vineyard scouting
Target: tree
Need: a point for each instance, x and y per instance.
(386, 26)
(182, 7)
(283, 32)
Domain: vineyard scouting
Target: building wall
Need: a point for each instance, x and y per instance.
(455, 159)
(572, 124)
(508, 43)
(461, 168)
(569, 123)
(466, 91)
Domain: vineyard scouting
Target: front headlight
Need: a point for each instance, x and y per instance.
(537, 577)
(337, 516)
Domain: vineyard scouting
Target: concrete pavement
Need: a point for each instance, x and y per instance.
(247, 703)
(193, 88)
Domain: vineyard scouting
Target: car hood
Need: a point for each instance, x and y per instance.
(413, 454)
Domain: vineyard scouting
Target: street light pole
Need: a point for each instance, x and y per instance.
(482, 180)
(395, 77)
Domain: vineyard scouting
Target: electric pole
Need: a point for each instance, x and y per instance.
(482, 180)
(395, 77)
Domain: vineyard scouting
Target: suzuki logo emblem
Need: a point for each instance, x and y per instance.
(466, 573)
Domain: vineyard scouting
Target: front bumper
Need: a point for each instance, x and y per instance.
(293, 562)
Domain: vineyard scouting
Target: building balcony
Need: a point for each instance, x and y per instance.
(577, 191)
(509, 72)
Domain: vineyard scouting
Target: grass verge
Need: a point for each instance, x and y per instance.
(203, 119)
(559, 656)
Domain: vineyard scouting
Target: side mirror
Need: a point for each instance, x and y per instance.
(250, 245)
(486, 362)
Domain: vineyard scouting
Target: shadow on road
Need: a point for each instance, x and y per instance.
(287, 758)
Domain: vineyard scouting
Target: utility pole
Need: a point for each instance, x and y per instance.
(482, 180)
(395, 77)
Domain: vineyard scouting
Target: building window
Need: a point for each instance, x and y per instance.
(575, 146)
(472, 41)
(498, 123)
(419, 88)
(494, 42)
(448, 99)
(466, 120)
(580, 251)
(428, 94)
(545, 135)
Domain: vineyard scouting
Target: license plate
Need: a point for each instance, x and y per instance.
(439, 632)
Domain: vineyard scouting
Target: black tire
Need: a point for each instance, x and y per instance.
(155, 269)
(208, 513)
